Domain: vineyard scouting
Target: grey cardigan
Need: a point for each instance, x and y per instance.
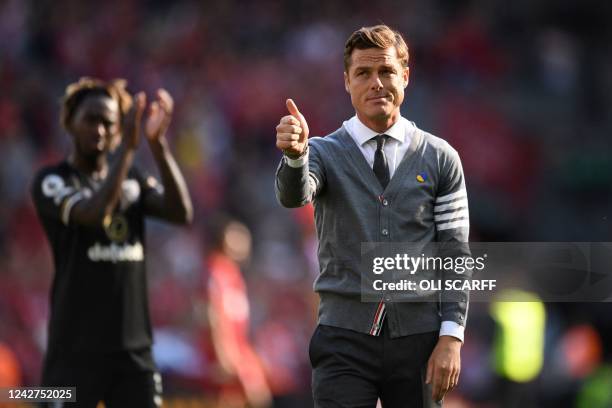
(351, 208)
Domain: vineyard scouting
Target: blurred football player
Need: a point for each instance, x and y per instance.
(93, 209)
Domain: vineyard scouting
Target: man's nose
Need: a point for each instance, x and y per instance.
(376, 83)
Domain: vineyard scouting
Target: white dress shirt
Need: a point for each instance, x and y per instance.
(400, 136)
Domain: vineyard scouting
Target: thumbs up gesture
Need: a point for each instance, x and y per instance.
(292, 132)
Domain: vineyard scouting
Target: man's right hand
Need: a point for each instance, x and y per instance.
(133, 119)
(292, 132)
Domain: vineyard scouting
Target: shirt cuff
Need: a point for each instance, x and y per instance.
(297, 163)
(450, 328)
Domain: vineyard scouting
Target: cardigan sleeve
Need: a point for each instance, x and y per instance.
(298, 182)
(452, 221)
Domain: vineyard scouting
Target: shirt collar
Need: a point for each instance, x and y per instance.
(362, 133)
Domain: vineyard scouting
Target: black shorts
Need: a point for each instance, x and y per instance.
(120, 379)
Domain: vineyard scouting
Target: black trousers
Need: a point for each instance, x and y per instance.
(353, 370)
(120, 379)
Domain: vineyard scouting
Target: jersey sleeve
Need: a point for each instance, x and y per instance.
(55, 195)
(148, 185)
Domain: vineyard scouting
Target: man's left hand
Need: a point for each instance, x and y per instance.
(159, 116)
(444, 366)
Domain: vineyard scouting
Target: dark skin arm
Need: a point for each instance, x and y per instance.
(96, 209)
(175, 203)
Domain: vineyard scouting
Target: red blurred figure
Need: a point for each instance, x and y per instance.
(10, 372)
(228, 311)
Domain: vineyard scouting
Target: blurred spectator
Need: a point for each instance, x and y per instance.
(228, 311)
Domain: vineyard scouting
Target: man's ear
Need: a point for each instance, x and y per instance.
(406, 76)
(346, 82)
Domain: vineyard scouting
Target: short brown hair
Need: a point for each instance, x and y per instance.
(378, 36)
(77, 91)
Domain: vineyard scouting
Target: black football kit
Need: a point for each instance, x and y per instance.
(99, 330)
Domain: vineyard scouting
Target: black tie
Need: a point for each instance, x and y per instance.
(381, 168)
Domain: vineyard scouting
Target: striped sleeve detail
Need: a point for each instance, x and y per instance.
(459, 213)
(450, 206)
(453, 224)
(451, 211)
(453, 196)
(67, 206)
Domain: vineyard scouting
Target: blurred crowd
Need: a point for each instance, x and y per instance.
(521, 89)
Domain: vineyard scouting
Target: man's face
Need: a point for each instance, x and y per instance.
(95, 126)
(376, 80)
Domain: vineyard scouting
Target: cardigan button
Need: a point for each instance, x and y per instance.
(385, 232)
(385, 202)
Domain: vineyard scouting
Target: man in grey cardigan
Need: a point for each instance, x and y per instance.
(377, 179)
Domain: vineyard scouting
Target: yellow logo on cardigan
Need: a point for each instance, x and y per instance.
(421, 177)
